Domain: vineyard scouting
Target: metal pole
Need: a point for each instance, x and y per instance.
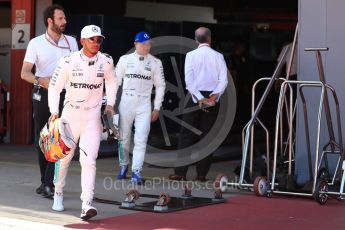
(326, 101)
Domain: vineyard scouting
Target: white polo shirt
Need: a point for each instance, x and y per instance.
(45, 55)
(205, 70)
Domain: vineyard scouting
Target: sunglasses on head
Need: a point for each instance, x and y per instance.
(98, 40)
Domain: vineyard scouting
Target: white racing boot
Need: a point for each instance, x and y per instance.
(58, 202)
(87, 211)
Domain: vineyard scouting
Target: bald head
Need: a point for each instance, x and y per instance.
(203, 35)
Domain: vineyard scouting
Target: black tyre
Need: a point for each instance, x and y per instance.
(320, 194)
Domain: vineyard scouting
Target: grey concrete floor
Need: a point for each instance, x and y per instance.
(22, 208)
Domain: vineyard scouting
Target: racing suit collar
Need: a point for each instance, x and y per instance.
(88, 59)
(140, 56)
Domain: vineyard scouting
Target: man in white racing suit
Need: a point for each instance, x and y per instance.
(82, 74)
(139, 72)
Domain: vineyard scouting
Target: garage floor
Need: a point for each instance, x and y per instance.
(22, 208)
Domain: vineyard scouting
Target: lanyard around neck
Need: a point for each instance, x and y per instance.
(54, 44)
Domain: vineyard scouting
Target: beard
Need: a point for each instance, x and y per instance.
(58, 29)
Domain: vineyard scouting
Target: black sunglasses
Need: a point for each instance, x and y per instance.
(99, 40)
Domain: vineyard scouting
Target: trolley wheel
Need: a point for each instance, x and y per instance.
(164, 199)
(221, 182)
(260, 186)
(132, 195)
(320, 194)
(323, 174)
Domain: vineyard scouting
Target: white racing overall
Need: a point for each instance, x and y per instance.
(139, 74)
(83, 79)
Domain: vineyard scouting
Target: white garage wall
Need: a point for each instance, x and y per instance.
(321, 25)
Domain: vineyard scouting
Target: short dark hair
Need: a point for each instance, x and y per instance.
(49, 12)
(203, 37)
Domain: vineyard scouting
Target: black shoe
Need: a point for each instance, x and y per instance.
(48, 192)
(39, 190)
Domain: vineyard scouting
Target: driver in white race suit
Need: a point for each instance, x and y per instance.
(138, 72)
(82, 74)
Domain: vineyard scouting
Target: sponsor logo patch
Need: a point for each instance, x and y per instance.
(85, 86)
(138, 76)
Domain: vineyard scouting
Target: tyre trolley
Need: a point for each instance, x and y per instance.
(320, 179)
(248, 131)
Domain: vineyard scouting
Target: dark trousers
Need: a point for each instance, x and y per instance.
(41, 115)
(204, 122)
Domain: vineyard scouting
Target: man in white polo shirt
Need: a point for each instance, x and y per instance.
(82, 74)
(43, 52)
(206, 80)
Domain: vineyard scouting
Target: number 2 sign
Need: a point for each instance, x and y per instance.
(20, 36)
